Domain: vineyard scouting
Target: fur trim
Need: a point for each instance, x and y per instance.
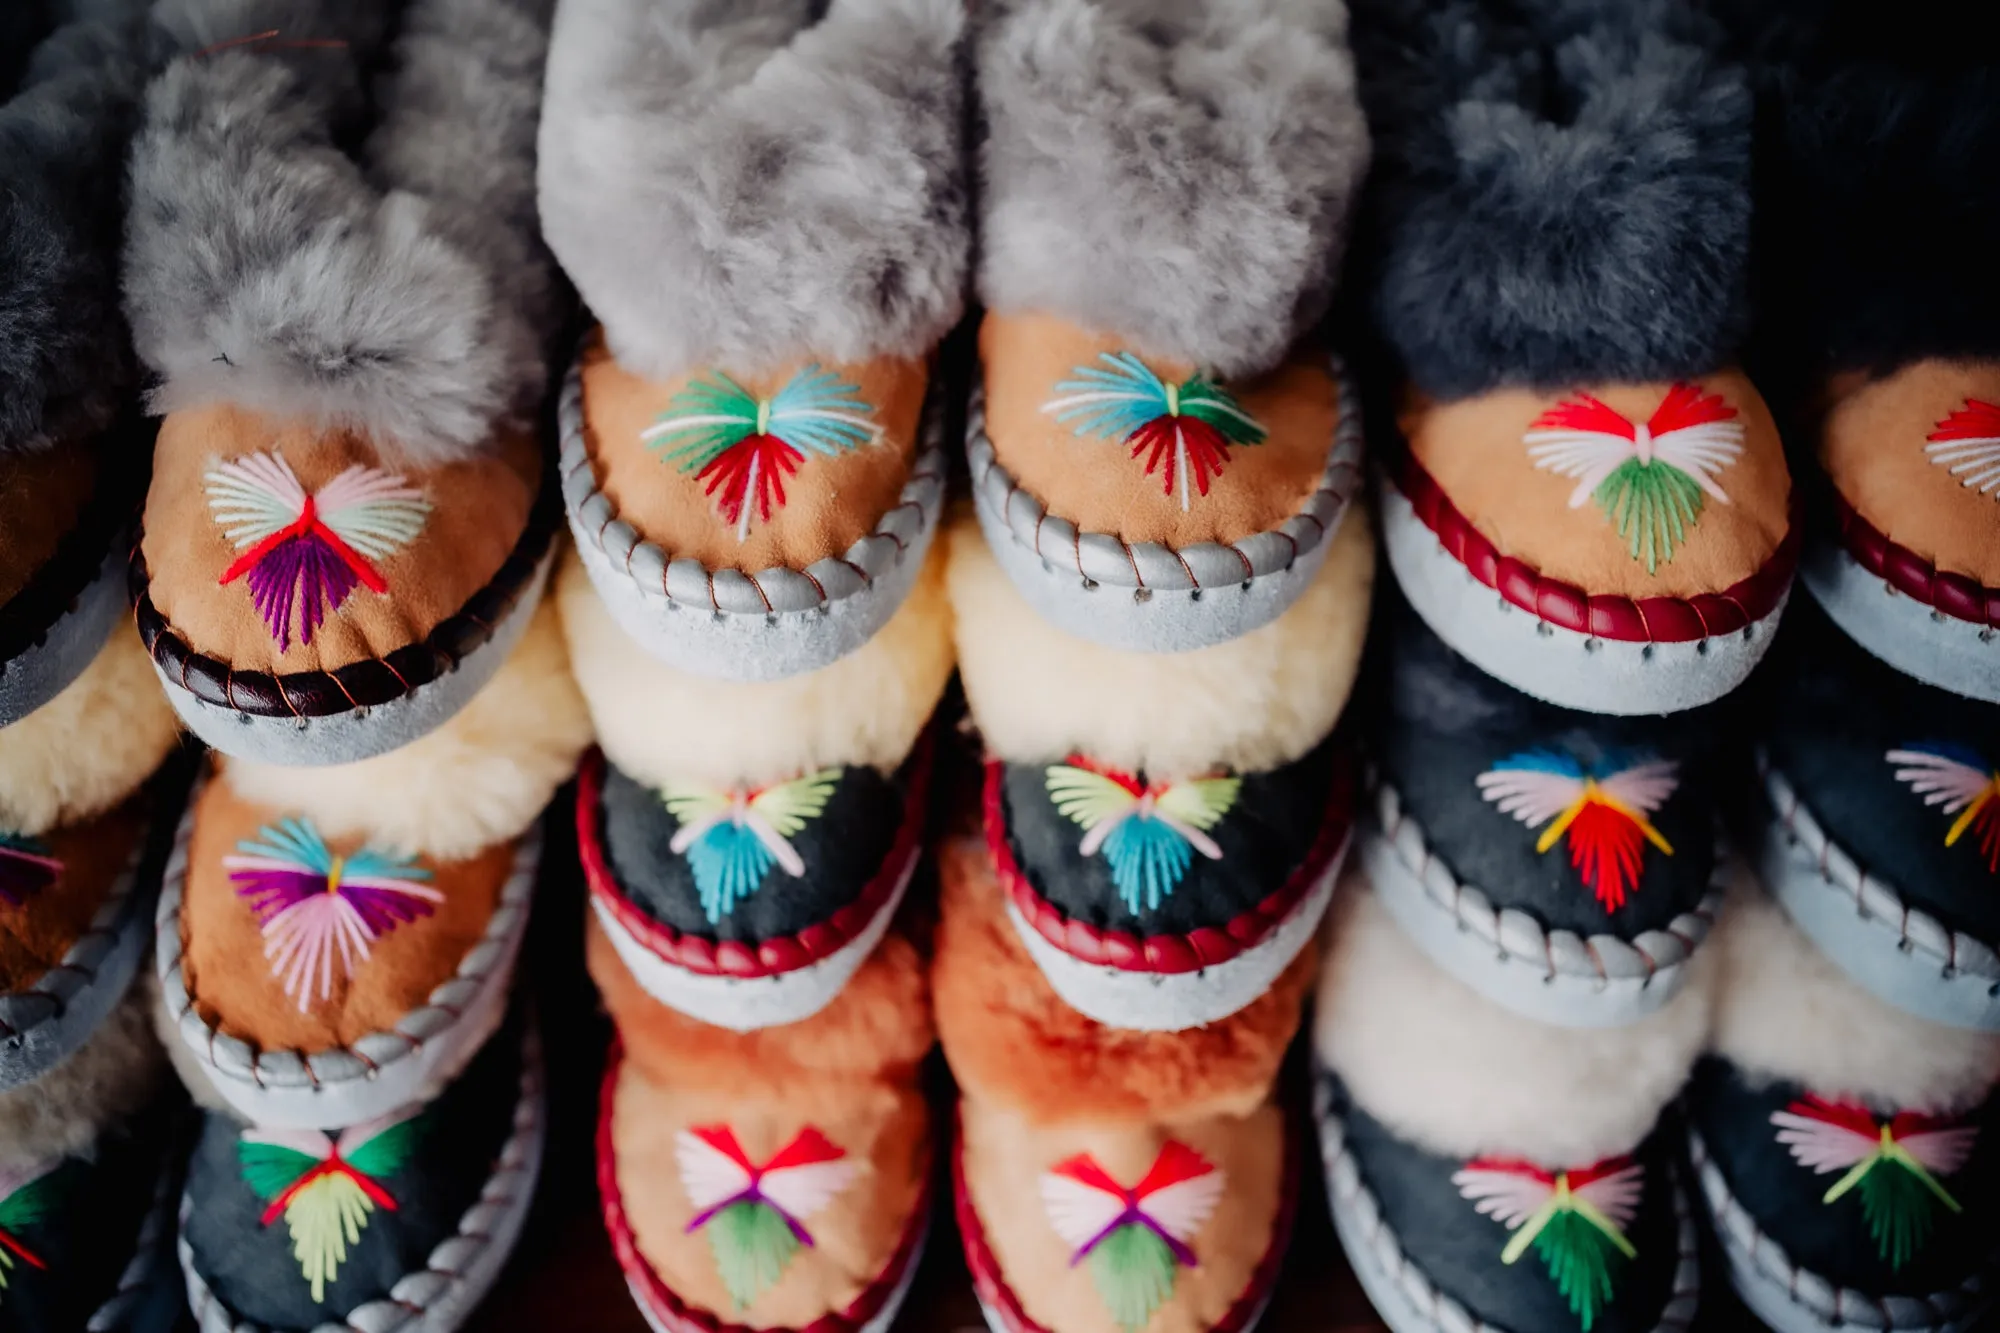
(65, 359)
(1011, 1039)
(877, 1029)
(658, 724)
(1562, 198)
(1252, 703)
(1458, 1075)
(1784, 1010)
(743, 184)
(408, 300)
(109, 1080)
(1180, 175)
(91, 746)
(480, 779)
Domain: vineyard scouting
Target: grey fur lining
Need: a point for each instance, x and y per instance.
(65, 360)
(731, 182)
(1180, 174)
(407, 300)
(1563, 195)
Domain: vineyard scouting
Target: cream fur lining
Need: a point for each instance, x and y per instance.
(1460, 1076)
(90, 747)
(660, 725)
(1784, 1010)
(478, 780)
(106, 1082)
(1251, 704)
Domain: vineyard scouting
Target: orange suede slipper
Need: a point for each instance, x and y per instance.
(751, 442)
(1590, 501)
(770, 1180)
(1106, 1179)
(1160, 454)
(351, 517)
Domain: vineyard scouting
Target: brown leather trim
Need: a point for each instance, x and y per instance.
(53, 589)
(368, 683)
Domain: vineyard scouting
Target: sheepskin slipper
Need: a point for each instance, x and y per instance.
(72, 452)
(319, 981)
(1877, 206)
(74, 905)
(403, 1221)
(1158, 462)
(1847, 1153)
(750, 905)
(86, 1197)
(774, 1179)
(1588, 500)
(766, 205)
(350, 518)
(1563, 864)
(1883, 833)
(1160, 903)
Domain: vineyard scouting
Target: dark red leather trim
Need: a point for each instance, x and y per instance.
(995, 1294)
(1912, 575)
(1628, 620)
(367, 683)
(675, 1313)
(1169, 954)
(772, 957)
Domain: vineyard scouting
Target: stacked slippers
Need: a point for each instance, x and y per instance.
(88, 787)
(766, 208)
(1159, 603)
(351, 517)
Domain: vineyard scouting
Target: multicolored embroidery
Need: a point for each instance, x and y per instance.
(1603, 816)
(1185, 430)
(755, 1214)
(742, 447)
(1148, 831)
(1575, 1220)
(1136, 1240)
(27, 1198)
(1648, 479)
(1968, 443)
(303, 553)
(320, 911)
(26, 868)
(326, 1187)
(1957, 779)
(1894, 1163)
(733, 837)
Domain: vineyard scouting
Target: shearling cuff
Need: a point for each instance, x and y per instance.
(1182, 180)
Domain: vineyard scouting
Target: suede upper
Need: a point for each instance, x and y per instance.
(1756, 1131)
(52, 887)
(1543, 809)
(1902, 776)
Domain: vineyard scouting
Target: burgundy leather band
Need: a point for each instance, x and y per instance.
(1629, 620)
(1911, 574)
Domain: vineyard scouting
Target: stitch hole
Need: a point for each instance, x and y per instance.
(1544, 629)
(1593, 645)
(1140, 596)
(1090, 585)
(1195, 596)
(1646, 653)
(1701, 649)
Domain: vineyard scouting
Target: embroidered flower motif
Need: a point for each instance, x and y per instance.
(1148, 831)
(306, 552)
(1648, 479)
(732, 838)
(27, 1197)
(743, 447)
(1968, 443)
(325, 1187)
(26, 868)
(755, 1214)
(1136, 1240)
(1603, 817)
(320, 911)
(1895, 1163)
(1575, 1220)
(1185, 430)
(1957, 779)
